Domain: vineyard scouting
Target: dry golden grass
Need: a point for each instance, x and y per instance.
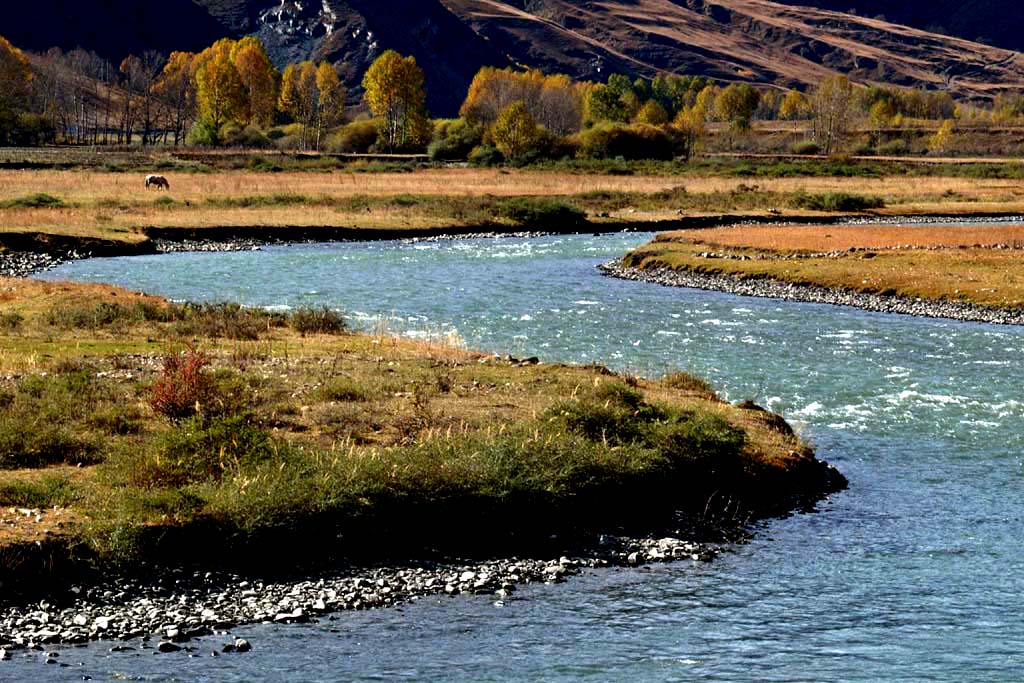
(945, 266)
(842, 237)
(116, 206)
(89, 187)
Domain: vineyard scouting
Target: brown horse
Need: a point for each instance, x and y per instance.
(157, 181)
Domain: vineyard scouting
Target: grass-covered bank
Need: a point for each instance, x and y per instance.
(100, 210)
(979, 265)
(225, 436)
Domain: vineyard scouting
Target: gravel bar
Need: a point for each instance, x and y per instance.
(174, 606)
(775, 289)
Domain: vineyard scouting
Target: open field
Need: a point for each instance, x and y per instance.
(978, 264)
(121, 415)
(116, 206)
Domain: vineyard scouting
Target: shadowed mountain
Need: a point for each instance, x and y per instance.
(731, 40)
(995, 22)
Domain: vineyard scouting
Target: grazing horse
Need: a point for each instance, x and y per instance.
(157, 181)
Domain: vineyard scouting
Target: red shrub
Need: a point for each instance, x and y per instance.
(183, 388)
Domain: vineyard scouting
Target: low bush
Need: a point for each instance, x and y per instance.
(184, 386)
(47, 492)
(625, 141)
(805, 147)
(355, 138)
(684, 381)
(454, 140)
(11, 321)
(342, 389)
(486, 156)
(36, 420)
(836, 201)
(897, 147)
(323, 320)
(40, 200)
(534, 213)
(198, 451)
(227, 321)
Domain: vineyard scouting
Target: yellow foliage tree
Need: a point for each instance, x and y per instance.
(220, 91)
(795, 105)
(942, 140)
(175, 88)
(831, 109)
(555, 102)
(259, 77)
(515, 132)
(394, 93)
(15, 86)
(330, 99)
(298, 97)
(653, 114)
(688, 128)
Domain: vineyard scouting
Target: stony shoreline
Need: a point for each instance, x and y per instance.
(18, 264)
(776, 289)
(169, 611)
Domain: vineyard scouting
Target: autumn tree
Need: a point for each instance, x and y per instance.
(259, 78)
(652, 114)
(795, 105)
(299, 97)
(605, 103)
(942, 140)
(555, 102)
(515, 132)
(688, 129)
(737, 104)
(174, 86)
(831, 111)
(395, 95)
(330, 99)
(705, 101)
(220, 91)
(140, 73)
(15, 87)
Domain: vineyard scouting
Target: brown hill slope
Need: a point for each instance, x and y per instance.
(753, 40)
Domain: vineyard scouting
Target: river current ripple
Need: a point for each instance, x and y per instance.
(915, 573)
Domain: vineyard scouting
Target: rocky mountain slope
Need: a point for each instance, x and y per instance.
(751, 40)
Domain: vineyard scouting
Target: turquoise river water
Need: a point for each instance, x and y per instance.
(916, 573)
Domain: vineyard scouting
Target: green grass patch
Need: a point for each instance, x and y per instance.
(534, 213)
(40, 200)
(47, 492)
(836, 201)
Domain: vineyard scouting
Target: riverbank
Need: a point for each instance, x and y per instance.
(954, 268)
(144, 439)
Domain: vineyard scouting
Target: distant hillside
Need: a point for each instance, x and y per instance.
(750, 40)
(996, 22)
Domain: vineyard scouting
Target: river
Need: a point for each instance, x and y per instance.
(914, 573)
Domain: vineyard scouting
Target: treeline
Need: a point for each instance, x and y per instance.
(232, 94)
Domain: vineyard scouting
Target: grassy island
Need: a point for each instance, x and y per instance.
(134, 429)
(976, 264)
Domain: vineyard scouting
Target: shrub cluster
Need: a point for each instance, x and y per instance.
(534, 213)
(184, 387)
(36, 421)
(323, 320)
(837, 201)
